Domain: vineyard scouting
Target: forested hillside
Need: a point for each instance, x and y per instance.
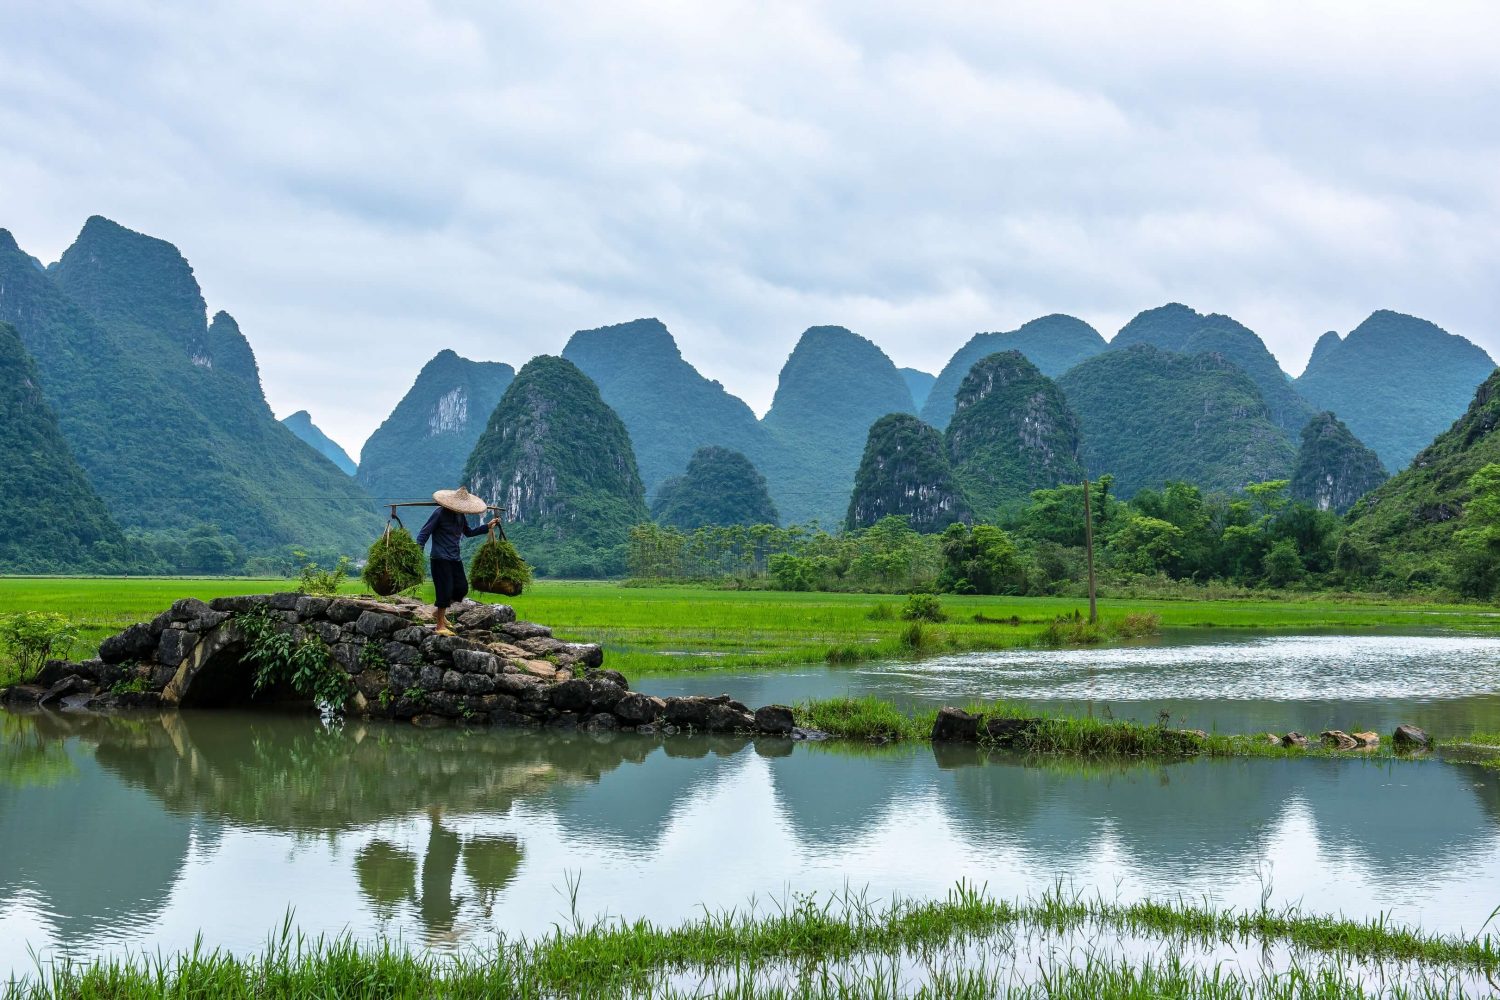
(1011, 433)
(1175, 327)
(1333, 468)
(720, 488)
(175, 444)
(1423, 527)
(51, 520)
(669, 408)
(905, 472)
(1396, 380)
(425, 442)
(919, 383)
(832, 388)
(1151, 417)
(1053, 343)
(560, 461)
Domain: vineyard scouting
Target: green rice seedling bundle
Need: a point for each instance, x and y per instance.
(498, 568)
(395, 562)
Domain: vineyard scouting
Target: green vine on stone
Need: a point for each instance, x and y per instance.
(306, 664)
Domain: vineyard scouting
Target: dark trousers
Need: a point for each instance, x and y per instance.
(449, 580)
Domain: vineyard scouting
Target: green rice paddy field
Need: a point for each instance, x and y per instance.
(653, 630)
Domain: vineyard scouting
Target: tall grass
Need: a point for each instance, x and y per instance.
(845, 946)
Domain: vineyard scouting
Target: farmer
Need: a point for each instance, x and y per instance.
(446, 527)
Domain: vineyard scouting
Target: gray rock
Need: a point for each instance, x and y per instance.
(586, 653)
(343, 611)
(376, 624)
(571, 696)
(174, 646)
(638, 709)
(346, 655)
(453, 680)
(413, 635)
(402, 676)
(285, 602)
(311, 607)
(1337, 739)
(564, 720)
(190, 609)
(478, 684)
(524, 630)
(476, 662)
(134, 643)
(1008, 732)
(238, 604)
(614, 677)
(603, 695)
(21, 694)
(430, 678)
(327, 631)
(400, 652)
(161, 622)
(775, 720)
(486, 617)
(601, 723)
(1294, 739)
(954, 725)
(690, 712)
(727, 719)
(518, 685)
(447, 702)
(71, 684)
(1409, 737)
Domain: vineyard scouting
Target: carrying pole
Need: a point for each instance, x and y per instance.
(1088, 542)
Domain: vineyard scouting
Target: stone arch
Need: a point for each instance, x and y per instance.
(214, 674)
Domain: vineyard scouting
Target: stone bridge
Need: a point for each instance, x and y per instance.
(495, 671)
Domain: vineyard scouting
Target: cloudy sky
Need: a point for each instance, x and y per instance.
(364, 183)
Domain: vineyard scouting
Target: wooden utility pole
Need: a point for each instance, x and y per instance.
(1088, 543)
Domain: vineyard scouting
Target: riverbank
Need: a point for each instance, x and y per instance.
(664, 630)
(965, 945)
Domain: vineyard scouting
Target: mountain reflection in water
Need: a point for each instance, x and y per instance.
(142, 832)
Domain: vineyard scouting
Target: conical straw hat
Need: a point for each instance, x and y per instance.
(460, 500)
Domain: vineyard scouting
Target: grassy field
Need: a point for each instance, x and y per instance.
(966, 945)
(665, 629)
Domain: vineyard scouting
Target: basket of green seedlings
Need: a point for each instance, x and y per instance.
(497, 568)
(395, 561)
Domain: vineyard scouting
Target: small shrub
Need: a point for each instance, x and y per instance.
(864, 718)
(923, 608)
(395, 562)
(30, 638)
(1071, 630)
(314, 579)
(917, 637)
(372, 657)
(881, 613)
(844, 654)
(1136, 625)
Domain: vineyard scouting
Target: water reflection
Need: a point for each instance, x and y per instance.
(145, 831)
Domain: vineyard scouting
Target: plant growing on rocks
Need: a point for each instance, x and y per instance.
(305, 663)
(30, 638)
(314, 579)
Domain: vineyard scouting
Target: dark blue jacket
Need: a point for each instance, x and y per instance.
(446, 528)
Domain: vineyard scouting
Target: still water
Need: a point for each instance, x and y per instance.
(140, 833)
(1448, 684)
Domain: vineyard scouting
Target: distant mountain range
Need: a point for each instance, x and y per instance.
(164, 412)
(159, 409)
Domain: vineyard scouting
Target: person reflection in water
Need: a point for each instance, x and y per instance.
(387, 876)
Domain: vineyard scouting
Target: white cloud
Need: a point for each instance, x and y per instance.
(363, 184)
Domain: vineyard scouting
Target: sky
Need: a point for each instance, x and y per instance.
(362, 184)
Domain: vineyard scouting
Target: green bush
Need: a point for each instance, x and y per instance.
(395, 562)
(30, 638)
(307, 665)
(314, 579)
(923, 608)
